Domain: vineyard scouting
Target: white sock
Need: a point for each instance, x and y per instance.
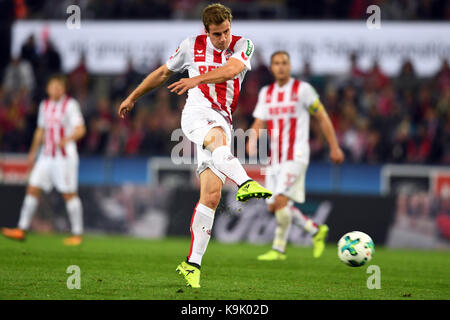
(229, 165)
(75, 211)
(299, 219)
(201, 225)
(284, 219)
(29, 206)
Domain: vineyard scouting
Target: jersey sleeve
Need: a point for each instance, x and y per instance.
(75, 115)
(41, 118)
(310, 98)
(243, 51)
(260, 111)
(179, 61)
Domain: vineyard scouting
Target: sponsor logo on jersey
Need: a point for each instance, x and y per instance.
(200, 53)
(249, 48)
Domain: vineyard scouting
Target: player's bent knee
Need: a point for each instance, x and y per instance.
(281, 202)
(33, 191)
(211, 199)
(272, 208)
(69, 196)
(215, 138)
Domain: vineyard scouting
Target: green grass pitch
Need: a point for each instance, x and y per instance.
(114, 267)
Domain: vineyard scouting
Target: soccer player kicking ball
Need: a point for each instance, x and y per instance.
(285, 107)
(60, 125)
(217, 63)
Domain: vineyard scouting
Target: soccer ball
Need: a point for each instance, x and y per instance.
(355, 248)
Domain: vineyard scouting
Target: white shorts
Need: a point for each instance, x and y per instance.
(196, 122)
(288, 179)
(58, 172)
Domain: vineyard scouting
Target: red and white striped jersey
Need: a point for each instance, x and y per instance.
(198, 56)
(59, 119)
(286, 111)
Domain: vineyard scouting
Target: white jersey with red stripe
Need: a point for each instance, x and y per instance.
(59, 119)
(198, 55)
(286, 111)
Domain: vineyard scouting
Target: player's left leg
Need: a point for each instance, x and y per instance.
(65, 178)
(29, 207)
(292, 177)
(290, 187)
(319, 232)
(284, 221)
(75, 211)
(201, 226)
(39, 181)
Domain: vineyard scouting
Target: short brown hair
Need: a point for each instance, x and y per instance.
(215, 14)
(277, 53)
(58, 77)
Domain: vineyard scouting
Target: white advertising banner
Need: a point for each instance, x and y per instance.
(325, 45)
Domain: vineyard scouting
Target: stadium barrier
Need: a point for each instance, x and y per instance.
(400, 206)
(321, 177)
(152, 212)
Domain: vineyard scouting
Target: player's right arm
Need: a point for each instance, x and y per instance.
(316, 109)
(38, 136)
(260, 115)
(255, 133)
(336, 154)
(38, 139)
(152, 81)
(178, 62)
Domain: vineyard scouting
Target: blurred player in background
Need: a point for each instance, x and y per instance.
(285, 107)
(60, 125)
(217, 63)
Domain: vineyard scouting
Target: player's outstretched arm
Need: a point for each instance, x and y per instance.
(77, 134)
(152, 81)
(227, 72)
(336, 154)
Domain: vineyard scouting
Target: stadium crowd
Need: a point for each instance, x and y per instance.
(260, 9)
(378, 119)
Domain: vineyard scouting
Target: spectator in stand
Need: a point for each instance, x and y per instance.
(355, 71)
(154, 139)
(19, 76)
(375, 78)
(129, 79)
(400, 142)
(419, 146)
(136, 135)
(78, 81)
(100, 124)
(443, 104)
(445, 140)
(29, 53)
(386, 101)
(407, 79)
(50, 61)
(442, 78)
(13, 120)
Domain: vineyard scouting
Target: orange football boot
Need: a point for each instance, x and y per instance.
(73, 241)
(14, 233)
